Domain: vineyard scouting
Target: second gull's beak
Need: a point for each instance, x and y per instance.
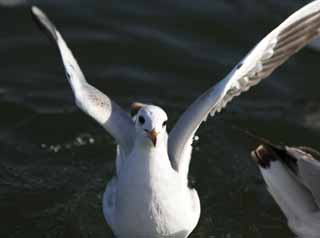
(153, 136)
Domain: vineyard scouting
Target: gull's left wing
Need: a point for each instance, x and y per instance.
(284, 41)
(93, 102)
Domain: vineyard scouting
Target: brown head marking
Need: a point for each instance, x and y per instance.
(135, 107)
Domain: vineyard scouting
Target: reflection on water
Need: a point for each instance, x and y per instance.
(55, 161)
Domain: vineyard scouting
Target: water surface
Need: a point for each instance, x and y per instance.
(55, 161)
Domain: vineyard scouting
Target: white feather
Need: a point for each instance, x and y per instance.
(293, 34)
(96, 104)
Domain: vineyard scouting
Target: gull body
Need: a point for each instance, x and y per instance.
(157, 201)
(292, 175)
(149, 194)
(147, 191)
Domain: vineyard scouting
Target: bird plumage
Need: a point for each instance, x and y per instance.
(292, 177)
(149, 195)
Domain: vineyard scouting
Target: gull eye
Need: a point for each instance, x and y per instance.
(141, 120)
(164, 123)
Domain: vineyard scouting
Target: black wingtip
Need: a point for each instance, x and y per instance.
(40, 18)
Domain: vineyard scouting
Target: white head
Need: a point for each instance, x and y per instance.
(150, 124)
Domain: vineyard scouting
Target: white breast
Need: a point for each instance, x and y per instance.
(151, 199)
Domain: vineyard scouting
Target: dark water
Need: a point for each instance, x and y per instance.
(55, 161)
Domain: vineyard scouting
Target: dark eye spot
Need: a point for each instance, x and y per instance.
(164, 123)
(141, 120)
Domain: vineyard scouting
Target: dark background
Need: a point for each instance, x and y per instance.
(55, 161)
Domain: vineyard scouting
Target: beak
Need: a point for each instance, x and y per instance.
(153, 136)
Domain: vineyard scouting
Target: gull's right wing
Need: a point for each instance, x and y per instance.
(96, 104)
(275, 49)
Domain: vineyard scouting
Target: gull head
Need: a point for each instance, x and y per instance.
(150, 123)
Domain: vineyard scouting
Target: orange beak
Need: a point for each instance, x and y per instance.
(153, 136)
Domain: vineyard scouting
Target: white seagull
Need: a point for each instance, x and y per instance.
(292, 175)
(149, 195)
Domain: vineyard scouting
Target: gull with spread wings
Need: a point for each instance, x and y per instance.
(149, 195)
(292, 175)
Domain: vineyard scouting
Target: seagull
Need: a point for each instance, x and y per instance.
(292, 175)
(149, 195)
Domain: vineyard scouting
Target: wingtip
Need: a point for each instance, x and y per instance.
(43, 21)
(35, 10)
(37, 13)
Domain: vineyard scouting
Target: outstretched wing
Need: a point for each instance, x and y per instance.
(308, 164)
(293, 34)
(98, 105)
